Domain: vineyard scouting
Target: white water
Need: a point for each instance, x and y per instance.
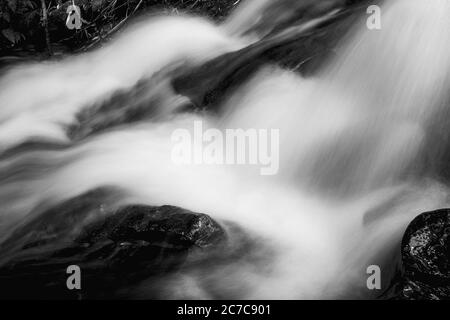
(38, 99)
(349, 136)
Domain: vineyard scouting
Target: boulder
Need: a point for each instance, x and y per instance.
(115, 248)
(425, 270)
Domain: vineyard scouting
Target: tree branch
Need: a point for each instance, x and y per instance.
(118, 26)
(45, 25)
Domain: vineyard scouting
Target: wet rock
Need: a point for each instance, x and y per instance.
(425, 270)
(148, 100)
(190, 87)
(281, 14)
(115, 248)
(172, 226)
(303, 43)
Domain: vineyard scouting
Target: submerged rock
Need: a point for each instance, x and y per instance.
(425, 270)
(115, 248)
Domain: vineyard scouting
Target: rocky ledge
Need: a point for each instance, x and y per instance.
(425, 269)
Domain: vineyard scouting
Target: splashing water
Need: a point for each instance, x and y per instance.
(33, 107)
(350, 137)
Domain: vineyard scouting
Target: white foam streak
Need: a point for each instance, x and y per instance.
(38, 99)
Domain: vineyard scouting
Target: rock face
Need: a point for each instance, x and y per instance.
(115, 249)
(425, 272)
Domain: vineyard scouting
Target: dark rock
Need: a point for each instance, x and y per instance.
(290, 45)
(148, 100)
(425, 270)
(171, 225)
(281, 14)
(115, 248)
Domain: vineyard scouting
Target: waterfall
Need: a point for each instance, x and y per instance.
(351, 139)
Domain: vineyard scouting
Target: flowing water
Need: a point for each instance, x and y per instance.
(352, 143)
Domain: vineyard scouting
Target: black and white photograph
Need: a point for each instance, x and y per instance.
(242, 151)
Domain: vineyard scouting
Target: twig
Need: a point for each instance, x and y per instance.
(45, 25)
(118, 26)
